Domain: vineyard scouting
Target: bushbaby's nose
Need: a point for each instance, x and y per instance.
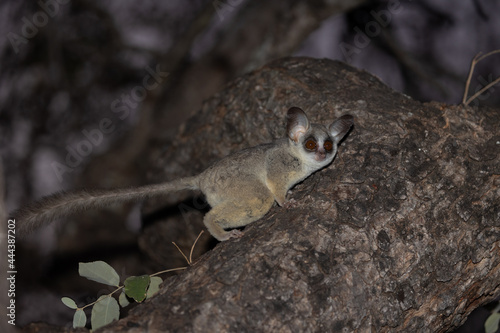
(320, 155)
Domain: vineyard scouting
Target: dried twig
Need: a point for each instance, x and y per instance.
(192, 247)
(190, 260)
(475, 60)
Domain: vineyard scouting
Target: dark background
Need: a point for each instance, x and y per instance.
(67, 65)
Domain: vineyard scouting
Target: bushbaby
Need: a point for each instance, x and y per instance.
(241, 188)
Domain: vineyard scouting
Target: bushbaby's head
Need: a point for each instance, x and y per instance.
(316, 145)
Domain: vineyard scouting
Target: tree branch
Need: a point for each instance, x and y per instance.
(401, 233)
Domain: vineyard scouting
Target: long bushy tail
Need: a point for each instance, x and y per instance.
(52, 207)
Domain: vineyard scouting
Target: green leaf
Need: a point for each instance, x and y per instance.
(104, 312)
(154, 286)
(69, 303)
(79, 319)
(136, 286)
(99, 271)
(123, 300)
(491, 324)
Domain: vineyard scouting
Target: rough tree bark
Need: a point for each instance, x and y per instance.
(400, 234)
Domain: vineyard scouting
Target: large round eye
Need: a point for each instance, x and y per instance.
(310, 144)
(328, 145)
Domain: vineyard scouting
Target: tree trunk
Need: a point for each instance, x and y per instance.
(401, 233)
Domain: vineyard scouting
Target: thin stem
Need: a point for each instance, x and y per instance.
(181, 253)
(491, 84)
(467, 83)
(168, 270)
(192, 248)
(477, 58)
(99, 299)
(487, 55)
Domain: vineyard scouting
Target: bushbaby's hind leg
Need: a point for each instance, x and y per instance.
(231, 214)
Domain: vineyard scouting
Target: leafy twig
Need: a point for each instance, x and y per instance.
(106, 308)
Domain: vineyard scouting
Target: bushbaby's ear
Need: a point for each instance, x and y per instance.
(340, 127)
(297, 123)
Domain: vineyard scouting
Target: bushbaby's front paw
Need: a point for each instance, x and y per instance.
(235, 233)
